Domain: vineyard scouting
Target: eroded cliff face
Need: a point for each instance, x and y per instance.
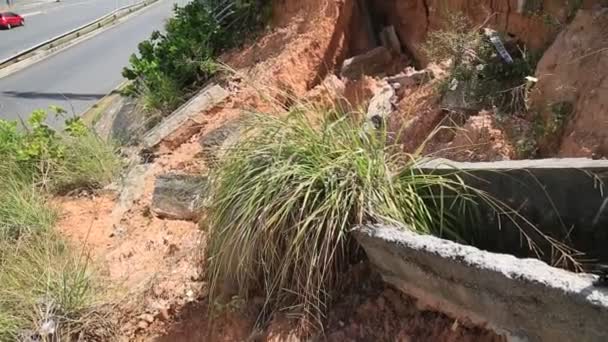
(534, 22)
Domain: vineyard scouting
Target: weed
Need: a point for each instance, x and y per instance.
(23, 210)
(87, 162)
(45, 289)
(560, 112)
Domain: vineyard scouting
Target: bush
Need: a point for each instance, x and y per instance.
(60, 161)
(171, 65)
(286, 198)
(44, 288)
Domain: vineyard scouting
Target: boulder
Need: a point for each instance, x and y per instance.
(372, 62)
(179, 196)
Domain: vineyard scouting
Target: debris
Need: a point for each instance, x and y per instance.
(178, 196)
(372, 62)
(182, 124)
(500, 47)
(381, 105)
(410, 77)
(142, 325)
(147, 317)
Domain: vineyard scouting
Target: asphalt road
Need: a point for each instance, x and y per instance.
(47, 20)
(79, 76)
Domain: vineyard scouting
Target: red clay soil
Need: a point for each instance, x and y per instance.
(368, 310)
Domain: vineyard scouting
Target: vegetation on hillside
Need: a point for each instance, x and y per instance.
(286, 197)
(47, 289)
(172, 65)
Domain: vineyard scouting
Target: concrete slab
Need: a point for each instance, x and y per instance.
(524, 299)
(182, 124)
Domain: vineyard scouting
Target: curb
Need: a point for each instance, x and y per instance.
(45, 49)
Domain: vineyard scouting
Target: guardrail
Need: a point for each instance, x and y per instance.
(73, 34)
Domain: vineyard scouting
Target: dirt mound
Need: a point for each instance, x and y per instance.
(571, 96)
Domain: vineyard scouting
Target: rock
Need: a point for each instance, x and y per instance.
(142, 325)
(163, 314)
(215, 143)
(381, 106)
(372, 62)
(409, 78)
(147, 317)
(178, 196)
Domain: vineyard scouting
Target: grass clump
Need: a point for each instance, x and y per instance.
(45, 289)
(286, 198)
(23, 209)
(174, 64)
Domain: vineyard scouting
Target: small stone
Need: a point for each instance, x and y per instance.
(147, 317)
(142, 325)
(163, 314)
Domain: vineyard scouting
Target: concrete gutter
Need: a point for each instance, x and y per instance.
(523, 299)
(565, 198)
(51, 46)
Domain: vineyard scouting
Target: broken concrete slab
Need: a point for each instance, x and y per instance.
(381, 106)
(523, 299)
(182, 124)
(372, 62)
(179, 196)
(216, 142)
(564, 198)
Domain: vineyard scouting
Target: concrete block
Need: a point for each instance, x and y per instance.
(523, 299)
(179, 196)
(182, 124)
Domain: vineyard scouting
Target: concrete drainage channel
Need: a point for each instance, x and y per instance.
(45, 49)
(522, 299)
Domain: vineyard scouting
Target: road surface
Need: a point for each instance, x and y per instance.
(46, 20)
(79, 76)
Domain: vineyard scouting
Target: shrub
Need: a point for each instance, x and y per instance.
(171, 65)
(286, 198)
(73, 159)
